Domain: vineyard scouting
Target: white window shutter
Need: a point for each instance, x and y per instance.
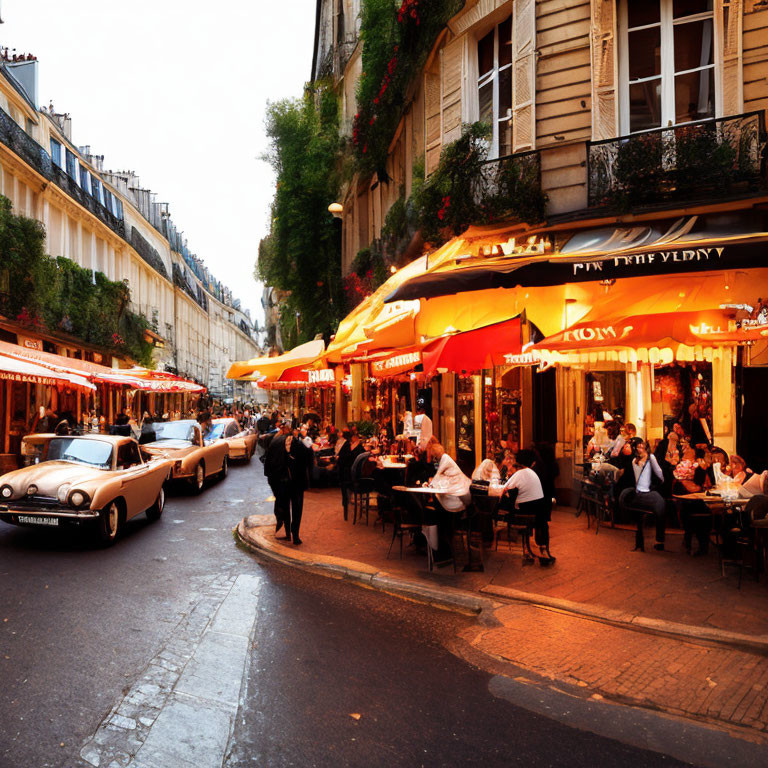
(452, 65)
(524, 75)
(728, 17)
(604, 66)
(432, 120)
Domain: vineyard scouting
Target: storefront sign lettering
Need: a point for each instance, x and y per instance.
(526, 358)
(29, 343)
(597, 333)
(645, 259)
(397, 362)
(321, 376)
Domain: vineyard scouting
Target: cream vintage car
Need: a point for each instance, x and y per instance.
(182, 443)
(241, 442)
(98, 481)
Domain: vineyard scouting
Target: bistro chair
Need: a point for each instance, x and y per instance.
(360, 488)
(402, 522)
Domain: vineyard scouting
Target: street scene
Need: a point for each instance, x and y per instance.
(404, 403)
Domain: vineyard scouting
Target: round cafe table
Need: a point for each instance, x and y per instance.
(421, 494)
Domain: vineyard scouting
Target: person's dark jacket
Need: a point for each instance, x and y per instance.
(276, 466)
(347, 456)
(264, 424)
(300, 463)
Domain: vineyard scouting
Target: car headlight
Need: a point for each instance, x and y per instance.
(6, 492)
(63, 492)
(177, 465)
(78, 499)
(32, 490)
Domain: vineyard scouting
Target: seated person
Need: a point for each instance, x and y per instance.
(531, 501)
(756, 484)
(449, 478)
(644, 496)
(738, 469)
(489, 470)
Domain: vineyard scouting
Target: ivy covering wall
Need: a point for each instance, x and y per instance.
(397, 38)
(56, 295)
(301, 255)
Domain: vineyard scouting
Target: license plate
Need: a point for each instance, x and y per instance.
(34, 520)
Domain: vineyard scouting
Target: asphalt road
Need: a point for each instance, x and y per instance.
(335, 675)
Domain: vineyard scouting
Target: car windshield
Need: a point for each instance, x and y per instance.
(168, 430)
(97, 453)
(215, 432)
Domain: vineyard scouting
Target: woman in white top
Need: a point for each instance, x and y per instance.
(530, 501)
(449, 478)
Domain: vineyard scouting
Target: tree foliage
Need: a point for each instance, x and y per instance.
(301, 255)
(55, 294)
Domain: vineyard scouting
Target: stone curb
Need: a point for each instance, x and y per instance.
(631, 621)
(252, 536)
(250, 531)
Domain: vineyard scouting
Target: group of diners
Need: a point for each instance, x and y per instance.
(664, 481)
(521, 482)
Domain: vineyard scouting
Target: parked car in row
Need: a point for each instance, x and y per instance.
(193, 460)
(241, 443)
(93, 481)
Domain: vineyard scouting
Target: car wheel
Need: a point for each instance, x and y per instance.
(248, 456)
(198, 481)
(109, 524)
(154, 512)
(224, 467)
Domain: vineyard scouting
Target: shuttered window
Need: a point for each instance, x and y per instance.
(667, 64)
(494, 85)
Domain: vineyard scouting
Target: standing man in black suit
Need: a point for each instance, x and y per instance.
(277, 471)
(300, 464)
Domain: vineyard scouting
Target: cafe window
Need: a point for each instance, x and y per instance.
(685, 394)
(465, 423)
(666, 63)
(494, 86)
(606, 393)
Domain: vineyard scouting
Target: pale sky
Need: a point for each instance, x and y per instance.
(176, 90)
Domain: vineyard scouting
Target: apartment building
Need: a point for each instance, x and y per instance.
(108, 222)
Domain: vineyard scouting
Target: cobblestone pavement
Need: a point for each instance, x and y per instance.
(689, 677)
(709, 683)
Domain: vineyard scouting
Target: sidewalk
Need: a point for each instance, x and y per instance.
(657, 629)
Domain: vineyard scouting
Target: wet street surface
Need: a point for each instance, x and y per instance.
(178, 647)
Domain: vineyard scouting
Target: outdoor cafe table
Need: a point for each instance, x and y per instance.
(420, 493)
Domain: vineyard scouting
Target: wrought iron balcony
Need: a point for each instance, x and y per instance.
(722, 158)
(63, 180)
(510, 188)
(23, 145)
(16, 138)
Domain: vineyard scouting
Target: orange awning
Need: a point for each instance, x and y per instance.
(271, 368)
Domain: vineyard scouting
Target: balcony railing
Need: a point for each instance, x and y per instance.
(510, 187)
(722, 158)
(63, 180)
(23, 145)
(15, 138)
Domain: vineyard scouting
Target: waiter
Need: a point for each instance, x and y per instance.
(422, 425)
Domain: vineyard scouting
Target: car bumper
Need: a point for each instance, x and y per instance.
(45, 517)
